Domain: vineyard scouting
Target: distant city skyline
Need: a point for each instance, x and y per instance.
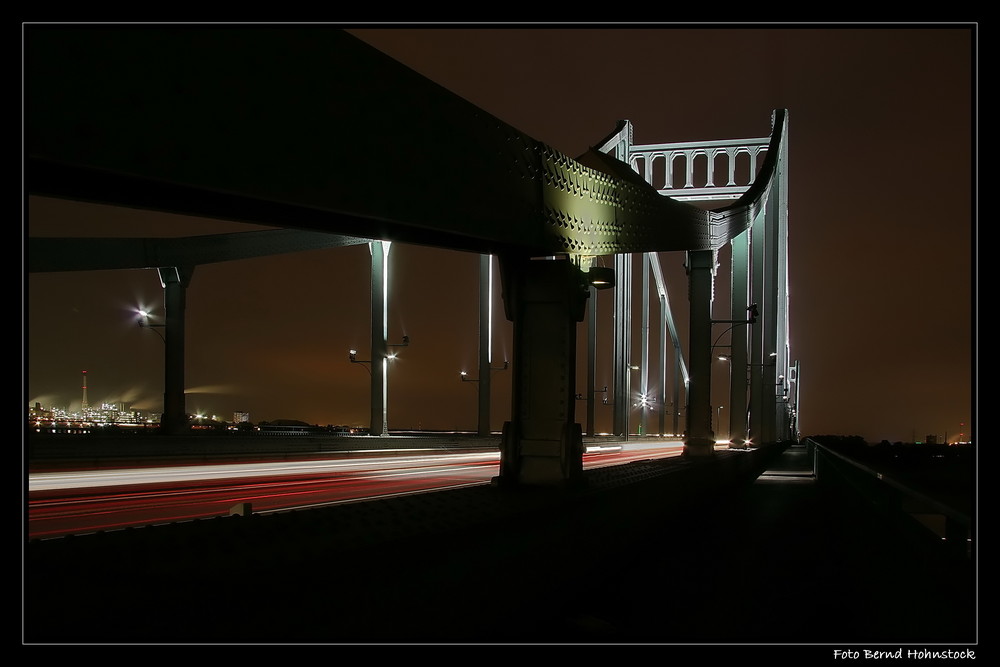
(70, 411)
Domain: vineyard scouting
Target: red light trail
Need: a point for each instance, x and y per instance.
(86, 501)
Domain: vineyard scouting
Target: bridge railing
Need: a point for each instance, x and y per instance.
(895, 499)
(692, 170)
(689, 171)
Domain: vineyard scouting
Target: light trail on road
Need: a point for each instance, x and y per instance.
(86, 501)
(196, 473)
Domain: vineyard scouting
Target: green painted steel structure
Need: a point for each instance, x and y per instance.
(300, 128)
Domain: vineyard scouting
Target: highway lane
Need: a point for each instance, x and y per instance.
(84, 501)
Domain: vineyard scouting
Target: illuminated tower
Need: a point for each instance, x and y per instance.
(84, 407)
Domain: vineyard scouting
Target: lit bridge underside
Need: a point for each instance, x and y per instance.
(296, 128)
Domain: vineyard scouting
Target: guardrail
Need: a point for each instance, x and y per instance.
(895, 498)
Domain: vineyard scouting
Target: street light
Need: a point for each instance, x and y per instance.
(144, 323)
(581, 397)
(465, 376)
(629, 367)
(483, 391)
(752, 315)
(379, 379)
(352, 355)
(600, 277)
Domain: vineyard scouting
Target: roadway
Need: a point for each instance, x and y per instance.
(75, 500)
(649, 552)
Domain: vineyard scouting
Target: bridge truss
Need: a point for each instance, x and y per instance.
(292, 128)
(712, 171)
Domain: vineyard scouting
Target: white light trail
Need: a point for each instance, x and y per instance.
(128, 476)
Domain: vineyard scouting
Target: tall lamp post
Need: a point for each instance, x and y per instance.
(629, 405)
(737, 385)
(589, 397)
(483, 425)
(173, 419)
(352, 356)
(728, 358)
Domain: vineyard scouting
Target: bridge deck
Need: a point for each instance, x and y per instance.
(648, 553)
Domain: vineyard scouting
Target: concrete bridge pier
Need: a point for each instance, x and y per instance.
(174, 281)
(485, 343)
(699, 439)
(379, 423)
(739, 341)
(542, 444)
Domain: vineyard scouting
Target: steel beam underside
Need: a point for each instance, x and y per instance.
(314, 129)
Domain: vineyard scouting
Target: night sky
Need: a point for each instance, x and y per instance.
(882, 237)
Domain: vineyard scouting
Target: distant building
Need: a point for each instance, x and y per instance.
(287, 427)
(37, 413)
(108, 414)
(931, 440)
(241, 417)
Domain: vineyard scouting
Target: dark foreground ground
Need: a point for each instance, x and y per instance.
(671, 552)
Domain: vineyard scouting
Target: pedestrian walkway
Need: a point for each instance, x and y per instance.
(788, 560)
